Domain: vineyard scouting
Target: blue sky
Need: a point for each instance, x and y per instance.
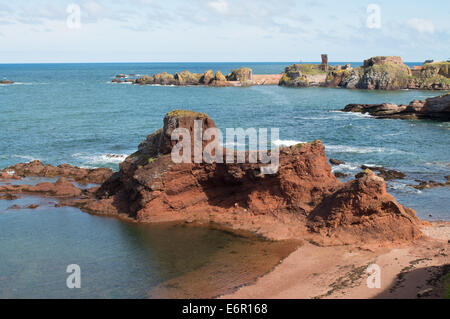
(221, 30)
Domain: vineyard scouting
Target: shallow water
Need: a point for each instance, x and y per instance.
(120, 259)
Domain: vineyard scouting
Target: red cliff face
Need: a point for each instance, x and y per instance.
(303, 198)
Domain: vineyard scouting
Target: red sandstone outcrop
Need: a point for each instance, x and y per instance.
(436, 108)
(363, 209)
(303, 198)
(37, 169)
(61, 188)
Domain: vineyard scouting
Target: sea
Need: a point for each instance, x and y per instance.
(73, 113)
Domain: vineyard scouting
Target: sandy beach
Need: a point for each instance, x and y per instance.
(340, 272)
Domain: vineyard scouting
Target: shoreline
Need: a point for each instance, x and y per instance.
(407, 271)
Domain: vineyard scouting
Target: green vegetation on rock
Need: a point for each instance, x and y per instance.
(186, 113)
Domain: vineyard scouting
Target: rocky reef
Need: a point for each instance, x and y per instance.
(5, 81)
(238, 77)
(302, 200)
(436, 108)
(38, 169)
(376, 73)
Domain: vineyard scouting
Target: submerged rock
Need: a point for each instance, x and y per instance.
(336, 162)
(387, 174)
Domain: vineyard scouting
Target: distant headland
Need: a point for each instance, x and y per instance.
(376, 73)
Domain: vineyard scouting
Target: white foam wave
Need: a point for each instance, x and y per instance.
(347, 167)
(353, 114)
(401, 187)
(360, 149)
(286, 142)
(100, 159)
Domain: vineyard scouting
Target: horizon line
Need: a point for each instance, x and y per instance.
(142, 62)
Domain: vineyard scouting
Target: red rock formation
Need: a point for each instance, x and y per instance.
(362, 209)
(303, 199)
(37, 169)
(436, 108)
(61, 188)
(303, 195)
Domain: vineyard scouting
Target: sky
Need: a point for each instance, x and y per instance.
(222, 30)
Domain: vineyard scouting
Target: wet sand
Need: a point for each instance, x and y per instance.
(341, 272)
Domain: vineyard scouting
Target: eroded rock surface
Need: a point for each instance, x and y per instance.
(38, 169)
(303, 198)
(436, 108)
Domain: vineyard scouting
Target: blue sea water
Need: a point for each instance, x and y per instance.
(72, 113)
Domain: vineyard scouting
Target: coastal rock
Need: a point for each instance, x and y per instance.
(8, 197)
(376, 73)
(380, 60)
(241, 74)
(164, 78)
(436, 108)
(145, 80)
(336, 162)
(61, 188)
(303, 75)
(363, 209)
(431, 184)
(303, 194)
(6, 175)
(6, 82)
(386, 174)
(219, 77)
(207, 77)
(187, 78)
(38, 169)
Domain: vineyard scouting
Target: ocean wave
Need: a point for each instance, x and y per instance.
(402, 187)
(100, 159)
(360, 149)
(439, 164)
(316, 118)
(353, 114)
(347, 167)
(286, 142)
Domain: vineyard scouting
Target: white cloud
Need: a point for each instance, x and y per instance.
(421, 25)
(221, 6)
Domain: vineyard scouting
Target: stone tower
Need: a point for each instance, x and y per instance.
(324, 64)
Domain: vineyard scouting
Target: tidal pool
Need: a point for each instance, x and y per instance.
(120, 259)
